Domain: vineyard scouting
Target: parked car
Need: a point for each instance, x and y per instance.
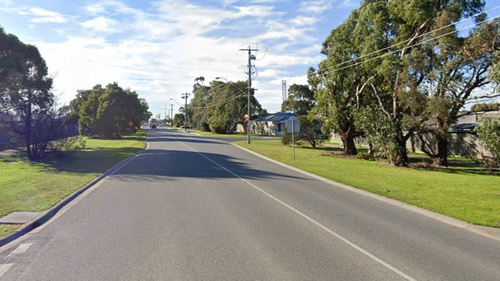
(153, 126)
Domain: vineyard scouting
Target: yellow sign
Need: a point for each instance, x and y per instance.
(130, 124)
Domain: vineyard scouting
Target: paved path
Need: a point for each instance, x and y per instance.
(194, 208)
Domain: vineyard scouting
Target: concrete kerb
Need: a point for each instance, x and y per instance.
(490, 232)
(45, 216)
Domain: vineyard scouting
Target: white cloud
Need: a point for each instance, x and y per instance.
(96, 8)
(258, 10)
(172, 42)
(101, 24)
(43, 15)
(6, 2)
(316, 6)
(302, 20)
(268, 73)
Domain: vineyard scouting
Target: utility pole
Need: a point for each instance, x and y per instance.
(185, 97)
(172, 115)
(250, 58)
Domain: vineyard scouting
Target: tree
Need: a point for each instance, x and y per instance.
(300, 100)
(25, 90)
(111, 112)
(310, 131)
(339, 86)
(459, 65)
(178, 119)
(145, 109)
(197, 106)
(220, 106)
(488, 131)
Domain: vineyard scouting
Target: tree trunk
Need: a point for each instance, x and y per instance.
(401, 157)
(28, 130)
(441, 158)
(349, 144)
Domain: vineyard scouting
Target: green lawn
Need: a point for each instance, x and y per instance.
(27, 186)
(468, 193)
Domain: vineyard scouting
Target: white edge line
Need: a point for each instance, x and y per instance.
(345, 240)
(418, 210)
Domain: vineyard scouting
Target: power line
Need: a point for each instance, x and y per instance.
(407, 47)
(427, 33)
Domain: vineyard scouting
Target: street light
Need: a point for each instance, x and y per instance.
(249, 128)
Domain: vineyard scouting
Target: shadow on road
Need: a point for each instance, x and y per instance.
(158, 164)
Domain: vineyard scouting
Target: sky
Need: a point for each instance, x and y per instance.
(158, 48)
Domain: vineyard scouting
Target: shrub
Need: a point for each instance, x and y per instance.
(66, 147)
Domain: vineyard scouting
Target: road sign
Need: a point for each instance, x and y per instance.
(293, 125)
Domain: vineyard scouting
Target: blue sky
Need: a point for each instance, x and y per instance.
(158, 48)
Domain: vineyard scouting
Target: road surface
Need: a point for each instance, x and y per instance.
(195, 208)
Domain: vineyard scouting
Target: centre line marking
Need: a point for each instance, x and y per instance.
(345, 240)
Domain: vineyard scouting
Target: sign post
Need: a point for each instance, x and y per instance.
(293, 126)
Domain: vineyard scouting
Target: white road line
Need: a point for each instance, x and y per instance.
(23, 248)
(4, 268)
(345, 240)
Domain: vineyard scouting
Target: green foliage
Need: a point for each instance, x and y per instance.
(286, 138)
(221, 106)
(389, 56)
(364, 156)
(488, 131)
(25, 90)
(379, 131)
(477, 107)
(110, 112)
(300, 100)
(66, 147)
(179, 119)
(310, 132)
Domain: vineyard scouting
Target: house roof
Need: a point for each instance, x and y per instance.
(276, 117)
(463, 127)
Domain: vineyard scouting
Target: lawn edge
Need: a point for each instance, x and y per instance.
(490, 232)
(46, 215)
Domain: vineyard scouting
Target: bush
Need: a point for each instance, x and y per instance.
(310, 132)
(65, 147)
(286, 138)
(364, 156)
(488, 131)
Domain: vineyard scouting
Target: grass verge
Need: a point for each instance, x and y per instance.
(467, 193)
(28, 186)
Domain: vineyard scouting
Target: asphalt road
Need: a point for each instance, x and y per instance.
(195, 208)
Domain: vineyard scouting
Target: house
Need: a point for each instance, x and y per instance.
(271, 124)
(462, 139)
